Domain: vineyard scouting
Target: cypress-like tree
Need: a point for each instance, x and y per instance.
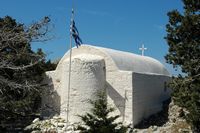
(21, 70)
(99, 121)
(183, 38)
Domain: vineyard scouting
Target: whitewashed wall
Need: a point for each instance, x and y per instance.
(87, 78)
(149, 91)
(119, 87)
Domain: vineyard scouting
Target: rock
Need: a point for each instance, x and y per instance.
(36, 132)
(36, 120)
(70, 128)
(77, 131)
(61, 124)
(135, 130)
(64, 129)
(69, 132)
(173, 120)
(56, 117)
(183, 130)
(60, 131)
(154, 128)
(62, 120)
(180, 130)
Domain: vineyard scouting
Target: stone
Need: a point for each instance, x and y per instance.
(36, 132)
(61, 124)
(154, 128)
(69, 132)
(77, 131)
(135, 130)
(36, 120)
(180, 130)
(69, 128)
(56, 117)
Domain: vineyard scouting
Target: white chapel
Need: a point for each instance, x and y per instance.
(135, 85)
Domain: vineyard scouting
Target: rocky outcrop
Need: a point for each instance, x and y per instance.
(53, 125)
(169, 120)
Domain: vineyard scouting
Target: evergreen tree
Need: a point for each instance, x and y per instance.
(21, 69)
(183, 38)
(99, 121)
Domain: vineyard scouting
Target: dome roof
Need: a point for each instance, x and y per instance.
(124, 60)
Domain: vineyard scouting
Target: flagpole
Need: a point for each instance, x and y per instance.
(70, 58)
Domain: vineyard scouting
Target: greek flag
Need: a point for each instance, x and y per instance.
(75, 34)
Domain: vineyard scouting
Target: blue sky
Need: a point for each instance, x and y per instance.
(122, 25)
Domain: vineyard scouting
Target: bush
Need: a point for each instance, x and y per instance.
(99, 121)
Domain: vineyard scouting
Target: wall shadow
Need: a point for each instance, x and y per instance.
(51, 101)
(158, 119)
(118, 100)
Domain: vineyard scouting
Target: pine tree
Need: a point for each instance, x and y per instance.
(21, 69)
(183, 38)
(99, 121)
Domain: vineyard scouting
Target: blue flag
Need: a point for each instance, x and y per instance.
(75, 34)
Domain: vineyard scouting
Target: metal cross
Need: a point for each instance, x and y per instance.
(142, 49)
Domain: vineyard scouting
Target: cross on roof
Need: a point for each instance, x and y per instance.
(142, 49)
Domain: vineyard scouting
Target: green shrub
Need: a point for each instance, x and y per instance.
(99, 121)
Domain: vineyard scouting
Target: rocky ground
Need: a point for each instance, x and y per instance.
(167, 121)
(170, 120)
(53, 125)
